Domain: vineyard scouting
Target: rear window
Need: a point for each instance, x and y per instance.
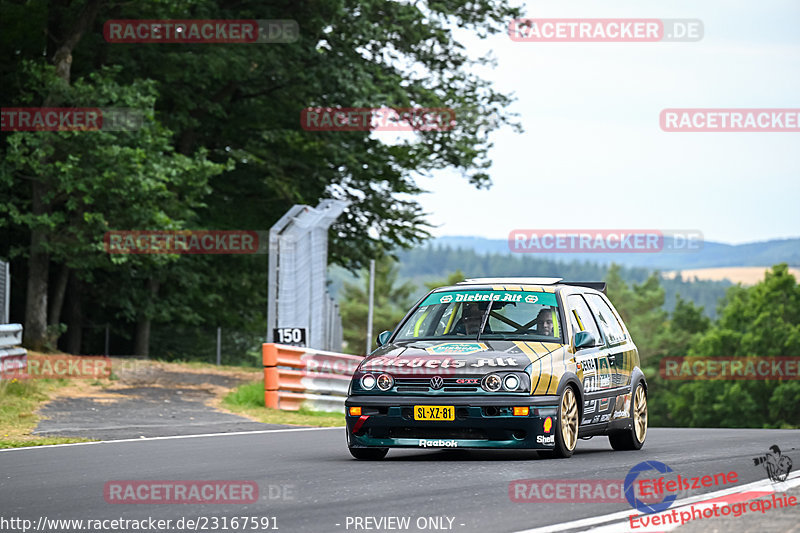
(484, 314)
(605, 319)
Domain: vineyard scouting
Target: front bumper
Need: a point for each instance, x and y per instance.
(387, 421)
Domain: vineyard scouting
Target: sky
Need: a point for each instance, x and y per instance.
(593, 155)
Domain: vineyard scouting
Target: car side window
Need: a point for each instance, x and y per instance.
(419, 324)
(447, 321)
(606, 319)
(581, 316)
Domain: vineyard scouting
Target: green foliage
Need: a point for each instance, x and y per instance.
(640, 308)
(783, 405)
(452, 279)
(392, 301)
(248, 400)
(761, 321)
(19, 402)
(248, 395)
(222, 148)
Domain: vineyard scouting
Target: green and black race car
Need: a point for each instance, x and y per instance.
(531, 363)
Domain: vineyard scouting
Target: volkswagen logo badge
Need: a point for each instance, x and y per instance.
(437, 382)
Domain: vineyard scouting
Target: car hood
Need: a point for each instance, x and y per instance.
(429, 358)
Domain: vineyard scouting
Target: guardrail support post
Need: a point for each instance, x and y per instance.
(219, 346)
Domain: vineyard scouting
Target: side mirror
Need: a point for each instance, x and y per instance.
(383, 337)
(584, 339)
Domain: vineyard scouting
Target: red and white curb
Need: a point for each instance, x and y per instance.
(671, 518)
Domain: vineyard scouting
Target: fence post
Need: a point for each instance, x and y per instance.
(219, 346)
(371, 304)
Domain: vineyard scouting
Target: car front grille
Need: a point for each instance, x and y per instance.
(424, 385)
(412, 389)
(436, 433)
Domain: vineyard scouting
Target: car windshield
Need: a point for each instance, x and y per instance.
(484, 314)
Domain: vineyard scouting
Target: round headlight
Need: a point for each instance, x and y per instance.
(385, 382)
(511, 382)
(368, 382)
(492, 383)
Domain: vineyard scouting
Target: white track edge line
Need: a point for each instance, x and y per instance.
(603, 519)
(169, 437)
(614, 527)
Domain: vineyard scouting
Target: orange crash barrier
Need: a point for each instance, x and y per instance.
(301, 377)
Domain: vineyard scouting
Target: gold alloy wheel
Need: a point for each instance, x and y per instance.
(569, 419)
(640, 414)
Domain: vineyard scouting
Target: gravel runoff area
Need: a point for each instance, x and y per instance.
(149, 399)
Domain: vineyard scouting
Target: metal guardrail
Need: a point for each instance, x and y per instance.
(10, 335)
(12, 357)
(297, 378)
(5, 291)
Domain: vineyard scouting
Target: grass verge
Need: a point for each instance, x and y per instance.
(19, 400)
(248, 400)
(186, 365)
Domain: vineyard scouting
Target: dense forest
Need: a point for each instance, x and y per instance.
(220, 147)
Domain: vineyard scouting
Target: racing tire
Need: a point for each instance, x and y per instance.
(566, 427)
(368, 454)
(633, 438)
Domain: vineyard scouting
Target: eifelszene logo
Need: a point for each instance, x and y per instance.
(777, 466)
(635, 502)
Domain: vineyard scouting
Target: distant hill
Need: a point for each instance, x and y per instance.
(434, 264)
(743, 275)
(712, 254)
(479, 257)
(426, 264)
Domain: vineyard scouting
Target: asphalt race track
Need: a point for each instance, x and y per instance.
(309, 483)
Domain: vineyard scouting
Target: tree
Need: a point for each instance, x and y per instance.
(209, 105)
(686, 326)
(452, 279)
(87, 183)
(640, 308)
(759, 321)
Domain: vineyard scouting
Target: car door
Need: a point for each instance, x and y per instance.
(617, 341)
(622, 354)
(593, 362)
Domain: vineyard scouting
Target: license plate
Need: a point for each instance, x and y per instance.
(434, 412)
